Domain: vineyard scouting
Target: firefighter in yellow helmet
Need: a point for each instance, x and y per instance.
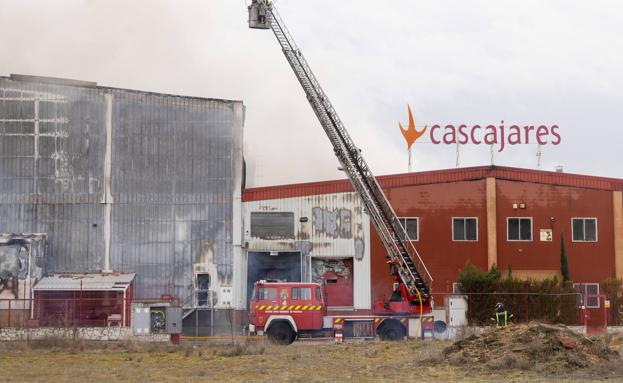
(501, 316)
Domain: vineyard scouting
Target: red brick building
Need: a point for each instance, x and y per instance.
(487, 215)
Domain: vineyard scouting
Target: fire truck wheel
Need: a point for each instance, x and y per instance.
(281, 333)
(391, 330)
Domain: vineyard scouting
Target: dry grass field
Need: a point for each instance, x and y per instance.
(257, 361)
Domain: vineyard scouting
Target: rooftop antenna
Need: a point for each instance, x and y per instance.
(539, 153)
(458, 155)
(409, 167)
(492, 158)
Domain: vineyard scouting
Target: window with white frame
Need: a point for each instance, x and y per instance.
(465, 229)
(412, 227)
(584, 229)
(519, 229)
(589, 294)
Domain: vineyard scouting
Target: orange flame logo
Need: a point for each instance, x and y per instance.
(410, 134)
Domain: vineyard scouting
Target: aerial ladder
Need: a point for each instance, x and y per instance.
(412, 281)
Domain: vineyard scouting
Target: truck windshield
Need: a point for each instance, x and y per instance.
(267, 294)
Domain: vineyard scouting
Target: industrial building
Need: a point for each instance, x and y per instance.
(105, 184)
(113, 181)
(488, 215)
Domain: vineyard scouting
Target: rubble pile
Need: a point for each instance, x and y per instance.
(533, 346)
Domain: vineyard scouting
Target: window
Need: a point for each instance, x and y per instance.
(267, 294)
(589, 294)
(301, 293)
(464, 229)
(584, 229)
(519, 229)
(412, 227)
(272, 225)
(318, 294)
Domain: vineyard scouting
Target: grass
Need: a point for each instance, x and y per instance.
(258, 361)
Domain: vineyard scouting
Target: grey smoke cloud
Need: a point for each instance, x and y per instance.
(477, 62)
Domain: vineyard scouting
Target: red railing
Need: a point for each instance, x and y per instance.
(71, 312)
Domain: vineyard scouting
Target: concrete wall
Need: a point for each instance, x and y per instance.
(83, 333)
(124, 180)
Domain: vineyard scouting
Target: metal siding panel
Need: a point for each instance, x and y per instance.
(171, 165)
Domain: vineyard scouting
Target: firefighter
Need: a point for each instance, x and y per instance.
(262, 5)
(501, 317)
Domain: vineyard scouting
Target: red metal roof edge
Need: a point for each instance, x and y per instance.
(437, 176)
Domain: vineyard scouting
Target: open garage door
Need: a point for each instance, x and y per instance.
(281, 266)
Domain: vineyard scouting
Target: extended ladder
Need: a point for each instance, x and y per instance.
(401, 251)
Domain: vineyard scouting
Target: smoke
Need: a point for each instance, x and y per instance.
(454, 62)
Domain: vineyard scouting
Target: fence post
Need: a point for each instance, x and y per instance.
(526, 305)
(469, 309)
(9, 318)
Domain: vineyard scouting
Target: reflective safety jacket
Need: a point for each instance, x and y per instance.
(501, 318)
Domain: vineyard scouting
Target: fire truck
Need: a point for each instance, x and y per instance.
(285, 311)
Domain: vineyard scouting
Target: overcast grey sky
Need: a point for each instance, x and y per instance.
(473, 62)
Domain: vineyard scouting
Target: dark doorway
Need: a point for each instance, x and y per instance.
(203, 288)
(281, 266)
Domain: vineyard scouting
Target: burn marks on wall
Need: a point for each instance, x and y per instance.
(334, 223)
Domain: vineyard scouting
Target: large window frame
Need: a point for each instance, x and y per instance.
(464, 229)
(586, 297)
(584, 219)
(404, 221)
(519, 228)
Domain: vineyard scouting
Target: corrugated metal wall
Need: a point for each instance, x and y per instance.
(173, 178)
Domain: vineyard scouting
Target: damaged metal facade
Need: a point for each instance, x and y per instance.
(328, 228)
(124, 180)
(22, 265)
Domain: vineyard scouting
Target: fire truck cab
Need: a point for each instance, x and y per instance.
(284, 310)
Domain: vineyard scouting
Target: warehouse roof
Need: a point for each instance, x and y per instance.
(85, 282)
(435, 177)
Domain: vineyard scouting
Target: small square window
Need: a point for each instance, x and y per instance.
(519, 229)
(412, 227)
(584, 229)
(464, 229)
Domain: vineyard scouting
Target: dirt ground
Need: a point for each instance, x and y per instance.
(258, 361)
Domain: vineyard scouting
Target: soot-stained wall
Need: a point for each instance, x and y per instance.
(123, 180)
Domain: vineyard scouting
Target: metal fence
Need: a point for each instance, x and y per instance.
(71, 312)
(572, 309)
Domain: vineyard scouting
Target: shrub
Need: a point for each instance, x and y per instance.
(612, 288)
(549, 300)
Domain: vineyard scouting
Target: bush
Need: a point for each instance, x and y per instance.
(549, 300)
(612, 288)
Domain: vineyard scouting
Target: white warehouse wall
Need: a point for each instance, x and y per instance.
(336, 228)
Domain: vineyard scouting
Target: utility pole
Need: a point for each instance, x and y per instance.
(458, 156)
(539, 153)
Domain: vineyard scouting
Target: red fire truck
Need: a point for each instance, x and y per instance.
(285, 311)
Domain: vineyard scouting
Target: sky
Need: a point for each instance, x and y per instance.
(531, 62)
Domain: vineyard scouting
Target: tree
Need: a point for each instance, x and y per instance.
(564, 262)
